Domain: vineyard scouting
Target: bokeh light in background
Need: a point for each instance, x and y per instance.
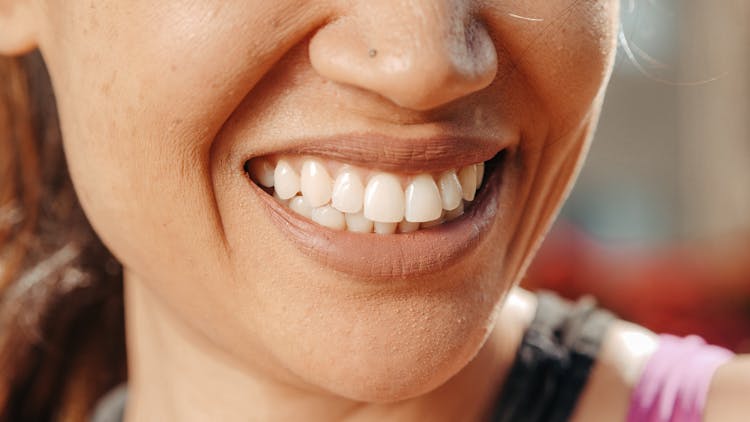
(658, 226)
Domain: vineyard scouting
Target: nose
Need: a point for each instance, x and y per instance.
(419, 54)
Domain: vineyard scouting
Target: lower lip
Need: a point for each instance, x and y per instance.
(405, 255)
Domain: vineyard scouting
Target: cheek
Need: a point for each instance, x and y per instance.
(142, 90)
(561, 60)
(565, 54)
(139, 107)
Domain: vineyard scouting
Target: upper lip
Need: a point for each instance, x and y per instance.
(388, 153)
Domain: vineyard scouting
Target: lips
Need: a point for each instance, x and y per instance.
(435, 245)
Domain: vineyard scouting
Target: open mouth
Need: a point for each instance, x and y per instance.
(382, 208)
(353, 198)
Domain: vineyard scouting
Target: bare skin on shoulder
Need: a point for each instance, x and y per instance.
(322, 207)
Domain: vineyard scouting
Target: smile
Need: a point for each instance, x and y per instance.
(362, 200)
(402, 215)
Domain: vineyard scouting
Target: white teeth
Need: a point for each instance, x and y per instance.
(286, 180)
(348, 192)
(280, 199)
(381, 205)
(358, 223)
(455, 213)
(300, 206)
(329, 217)
(407, 226)
(450, 190)
(480, 174)
(262, 172)
(422, 202)
(468, 178)
(385, 228)
(384, 199)
(315, 183)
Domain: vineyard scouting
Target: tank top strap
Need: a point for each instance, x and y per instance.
(553, 362)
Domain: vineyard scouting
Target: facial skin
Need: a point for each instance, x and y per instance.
(162, 102)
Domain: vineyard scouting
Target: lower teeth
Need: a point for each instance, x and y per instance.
(382, 205)
(356, 222)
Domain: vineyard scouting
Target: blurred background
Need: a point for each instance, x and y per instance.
(658, 226)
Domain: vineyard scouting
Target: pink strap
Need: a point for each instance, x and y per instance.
(675, 382)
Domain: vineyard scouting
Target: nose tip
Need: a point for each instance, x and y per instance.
(419, 66)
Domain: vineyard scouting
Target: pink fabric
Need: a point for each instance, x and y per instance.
(675, 382)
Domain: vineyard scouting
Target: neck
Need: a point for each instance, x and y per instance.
(176, 374)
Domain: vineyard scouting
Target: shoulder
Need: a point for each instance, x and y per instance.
(519, 309)
(624, 353)
(616, 349)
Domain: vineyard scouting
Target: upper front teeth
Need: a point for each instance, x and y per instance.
(384, 199)
(348, 191)
(423, 201)
(364, 201)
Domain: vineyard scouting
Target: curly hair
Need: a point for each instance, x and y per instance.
(62, 336)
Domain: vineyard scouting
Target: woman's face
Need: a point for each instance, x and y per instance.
(163, 104)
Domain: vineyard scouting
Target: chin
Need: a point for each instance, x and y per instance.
(388, 348)
(390, 371)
